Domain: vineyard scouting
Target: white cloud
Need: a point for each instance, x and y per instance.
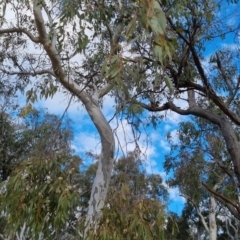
(181, 101)
(87, 142)
(164, 145)
(174, 193)
(167, 127)
(108, 106)
(59, 102)
(174, 136)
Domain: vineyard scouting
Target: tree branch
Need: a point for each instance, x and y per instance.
(105, 90)
(196, 111)
(219, 65)
(210, 92)
(20, 30)
(232, 206)
(235, 92)
(55, 57)
(31, 73)
(198, 213)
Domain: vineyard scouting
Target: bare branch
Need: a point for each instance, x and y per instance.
(206, 114)
(110, 33)
(71, 56)
(20, 30)
(209, 91)
(219, 65)
(31, 73)
(105, 90)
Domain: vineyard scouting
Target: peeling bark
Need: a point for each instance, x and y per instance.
(105, 165)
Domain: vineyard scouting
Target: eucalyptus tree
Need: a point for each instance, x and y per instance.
(49, 44)
(208, 86)
(198, 159)
(38, 168)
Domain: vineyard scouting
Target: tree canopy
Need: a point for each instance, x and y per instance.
(147, 56)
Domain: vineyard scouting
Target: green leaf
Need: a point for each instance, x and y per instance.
(158, 52)
(130, 28)
(156, 5)
(162, 20)
(136, 109)
(26, 110)
(168, 82)
(114, 72)
(158, 22)
(104, 67)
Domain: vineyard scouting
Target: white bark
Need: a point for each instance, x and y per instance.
(212, 219)
(105, 165)
(210, 228)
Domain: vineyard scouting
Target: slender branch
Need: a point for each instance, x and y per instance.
(178, 32)
(228, 233)
(230, 223)
(219, 65)
(225, 170)
(20, 30)
(66, 109)
(31, 73)
(183, 61)
(212, 95)
(199, 213)
(71, 56)
(110, 33)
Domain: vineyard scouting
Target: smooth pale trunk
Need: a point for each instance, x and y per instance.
(212, 220)
(105, 165)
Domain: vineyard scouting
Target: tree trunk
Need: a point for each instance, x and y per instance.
(233, 145)
(105, 165)
(212, 220)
